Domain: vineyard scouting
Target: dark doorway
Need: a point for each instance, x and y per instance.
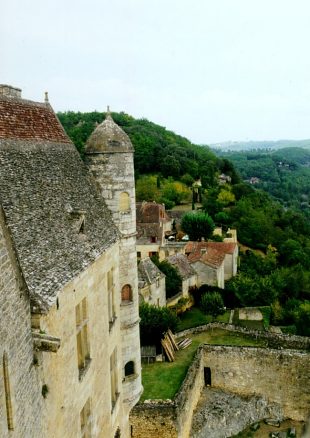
(207, 376)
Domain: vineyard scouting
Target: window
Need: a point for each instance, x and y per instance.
(7, 390)
(129, 368)
(85, 419)
(124, 202)
(126, 293)
(114, 377)
(139, 255)
(153, 239)
(157, 282)
(82, 335)
(111, 297)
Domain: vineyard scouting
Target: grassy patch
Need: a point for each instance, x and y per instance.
(162, 380)
(195, 317)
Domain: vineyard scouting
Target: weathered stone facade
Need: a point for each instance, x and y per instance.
(24, 395)
(69, 322)
(109, 156)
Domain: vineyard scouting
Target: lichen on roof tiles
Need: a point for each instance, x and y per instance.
(42, 182)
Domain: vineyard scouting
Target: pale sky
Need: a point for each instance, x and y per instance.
(210, 70)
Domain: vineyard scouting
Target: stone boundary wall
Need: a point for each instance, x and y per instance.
(274, 340)
(170, 418)
(282, 376)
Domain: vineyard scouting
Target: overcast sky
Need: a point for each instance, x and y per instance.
(211, 70)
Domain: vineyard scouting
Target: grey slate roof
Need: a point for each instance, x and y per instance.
(148, 271)
(45, 191)
(180, 262)
(108, 137)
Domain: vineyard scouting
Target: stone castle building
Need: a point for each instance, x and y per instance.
(69, 327)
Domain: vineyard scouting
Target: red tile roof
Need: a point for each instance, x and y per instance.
(26, 120)
(211, 253)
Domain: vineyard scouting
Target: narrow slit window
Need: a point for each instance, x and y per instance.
(7, 389)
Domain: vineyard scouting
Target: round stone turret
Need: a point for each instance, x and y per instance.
(109, 156)
(108, 137)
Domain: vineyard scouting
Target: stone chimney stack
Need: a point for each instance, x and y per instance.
(9, 91)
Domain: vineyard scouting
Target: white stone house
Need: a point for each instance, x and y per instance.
(152, 283)
(187, 273)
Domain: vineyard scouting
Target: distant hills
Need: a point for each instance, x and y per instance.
(255, 145)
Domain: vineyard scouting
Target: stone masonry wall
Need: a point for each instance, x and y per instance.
(16, 342)
(282, 376)
(279, 376)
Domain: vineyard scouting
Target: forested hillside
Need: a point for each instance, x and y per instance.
(157, 150)
(234, 146)
(166, 165)
(284, 174)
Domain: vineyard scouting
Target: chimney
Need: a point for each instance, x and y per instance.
(9, 91)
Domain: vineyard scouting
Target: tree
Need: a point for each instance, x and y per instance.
(173, 278)
(197, 225)
(212, 303)
(155, 321)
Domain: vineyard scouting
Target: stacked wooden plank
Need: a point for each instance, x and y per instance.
(170, 345)
(184, 343)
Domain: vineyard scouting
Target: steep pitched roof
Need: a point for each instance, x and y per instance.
(210, 253)
(182, 264)
(108, 137)
(148, 271)
(46, 193)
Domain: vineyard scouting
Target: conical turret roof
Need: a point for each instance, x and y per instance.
(108, 137)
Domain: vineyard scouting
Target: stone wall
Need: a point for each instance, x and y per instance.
(278, 376)
(170, 418)
(273, 340)
(16, 342)
(282, 376)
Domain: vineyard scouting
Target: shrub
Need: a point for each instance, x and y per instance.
(212, 303)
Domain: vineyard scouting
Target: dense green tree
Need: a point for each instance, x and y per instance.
(197, 225)
(155, 321)
(212, 303)
(173, 278)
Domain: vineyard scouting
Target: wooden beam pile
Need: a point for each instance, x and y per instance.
(170, 345)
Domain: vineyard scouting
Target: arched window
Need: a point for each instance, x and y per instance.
(129, 368)
(124, 202)
(7, 390)
(126, 293)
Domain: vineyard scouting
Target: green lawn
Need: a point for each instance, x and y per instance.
(195, 317)
(162, 380)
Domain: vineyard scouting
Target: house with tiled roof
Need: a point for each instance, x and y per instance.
(69, 324)
(214, 262)
(153, 226)
(152, 283)
(186, 271)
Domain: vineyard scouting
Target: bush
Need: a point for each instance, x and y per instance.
(155, 321)
(212, 303)
(197, 225)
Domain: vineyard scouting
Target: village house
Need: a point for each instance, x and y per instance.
(69, 327)
(152, 283)
(153, 226)
(214, 262)
(187, 273)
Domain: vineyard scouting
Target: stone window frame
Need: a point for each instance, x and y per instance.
(85, 420)
(7, 391)
(82, 335)
(111, 298)
(126, 296)
(114, 378)
(129, 369)
(124, 202)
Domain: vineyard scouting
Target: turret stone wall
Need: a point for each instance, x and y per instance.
(20, 386)
(109, 156)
